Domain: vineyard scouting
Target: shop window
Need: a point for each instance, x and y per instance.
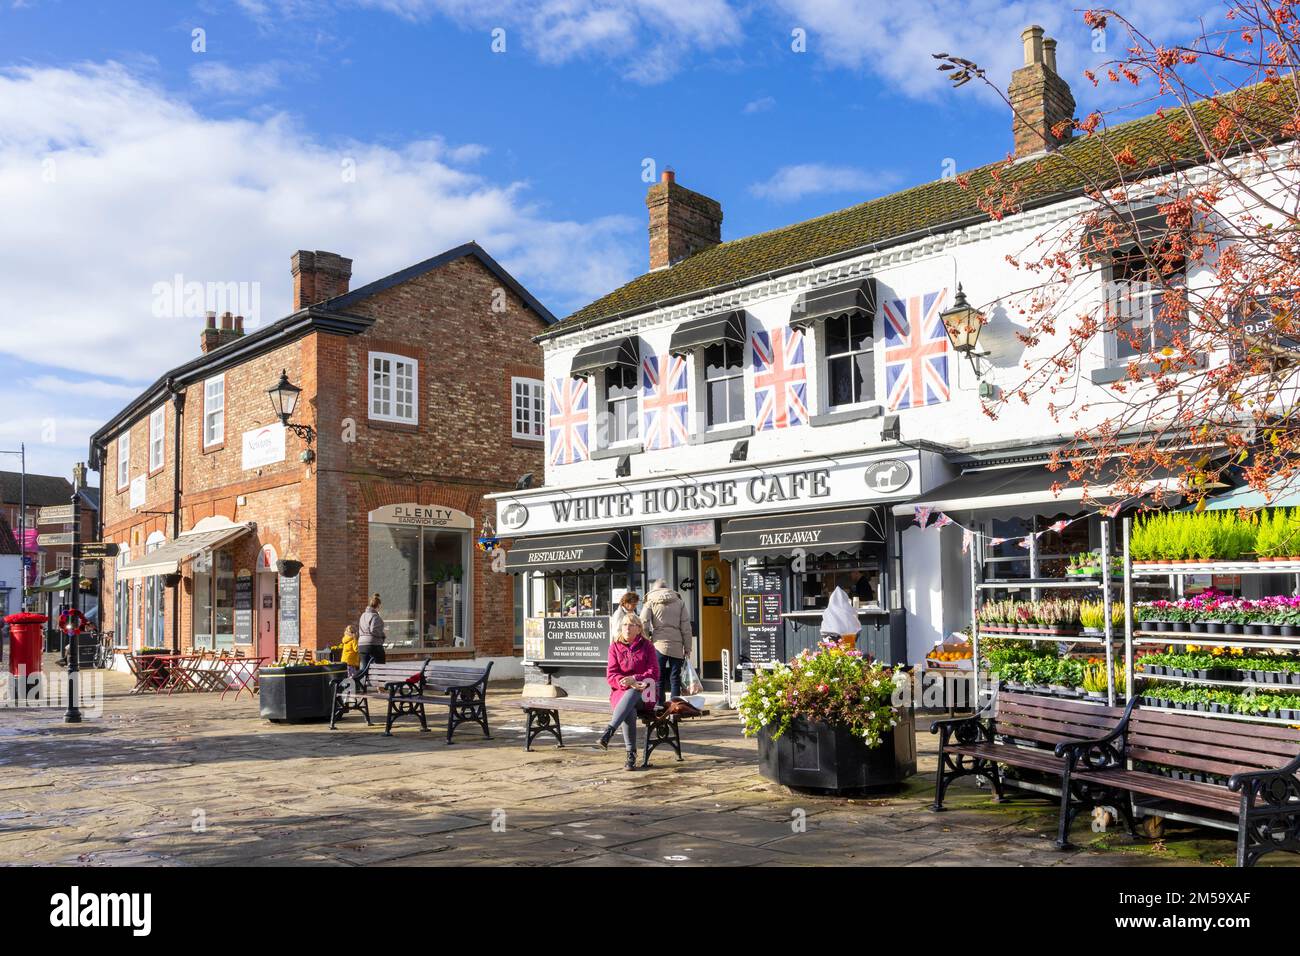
(123, 460)
(420, 575)
(621, 411)
(122, 603)
(519, 610)
(859, 575)
(724, 382)
(157, 431)
(214, 600)
(154, 604)
(394, 384)
(579, 593)
(1135, 301)
(528, 408)
(214, 411)
(850, 360)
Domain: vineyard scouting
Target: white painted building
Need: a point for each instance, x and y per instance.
(746, 399)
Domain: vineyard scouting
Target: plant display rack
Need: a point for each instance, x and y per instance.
(1231, 636)
(1109, 586)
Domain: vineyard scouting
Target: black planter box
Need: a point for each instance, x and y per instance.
(815, 756)
(298, 693)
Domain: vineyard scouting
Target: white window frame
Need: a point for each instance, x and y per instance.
(157, 438)
(210, 414)
(123, 460)
(373, 401)
(607, 418)
(824, 367)
(527, 404)
(703, 380)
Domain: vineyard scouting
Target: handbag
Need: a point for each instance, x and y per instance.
(691, 683)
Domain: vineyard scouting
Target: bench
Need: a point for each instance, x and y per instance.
(1237, 776)
(409, 686)
(544, 718)
(1027, 732)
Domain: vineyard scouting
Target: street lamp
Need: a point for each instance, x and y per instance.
(284, 399)
(963, 325)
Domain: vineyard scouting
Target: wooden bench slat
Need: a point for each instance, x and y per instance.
(1205, 723)
(1027, 757)
(1052, 726)
(1176, 748)
(1223, 768)
(1036, 702)
(1150, 784)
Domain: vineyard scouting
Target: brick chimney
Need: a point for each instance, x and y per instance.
(682, 222)
(318, 276)
(213, 337)
(1039, 97)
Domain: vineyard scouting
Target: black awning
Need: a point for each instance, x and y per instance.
(834, 300)
(1134, 226)
(579, 551)
(603, 355)
(706, 331)
(835, 531)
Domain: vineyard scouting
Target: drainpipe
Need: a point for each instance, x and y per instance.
(178, 404)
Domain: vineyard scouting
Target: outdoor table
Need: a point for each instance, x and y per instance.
(151, 672)
(242, 673)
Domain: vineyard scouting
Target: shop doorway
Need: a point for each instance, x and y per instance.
(715, 613)
(267, 583)
(686, 582)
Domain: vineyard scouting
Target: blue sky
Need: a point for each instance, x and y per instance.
(389, 130)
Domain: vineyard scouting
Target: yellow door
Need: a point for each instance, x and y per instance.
(715, 612)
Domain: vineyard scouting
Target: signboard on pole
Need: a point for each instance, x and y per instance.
(95, 550)
(54, 514)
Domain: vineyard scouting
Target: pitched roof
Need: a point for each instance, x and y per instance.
(928, 209)
(8, 542)
(42, 490)
(330, 315)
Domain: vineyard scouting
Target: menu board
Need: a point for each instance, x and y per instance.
(762, 599)
(576, 640)
(244, 608)
(289, 590)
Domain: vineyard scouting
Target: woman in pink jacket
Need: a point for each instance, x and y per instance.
(633, 667)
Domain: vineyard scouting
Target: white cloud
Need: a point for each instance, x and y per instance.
(110, 185)
(760, 105)
(216, 77)
(805, 179)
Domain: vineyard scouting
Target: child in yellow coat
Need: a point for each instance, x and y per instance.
(350, 654)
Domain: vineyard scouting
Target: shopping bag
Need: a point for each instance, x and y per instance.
(691, 684)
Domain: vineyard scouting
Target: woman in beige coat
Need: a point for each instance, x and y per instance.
(668, 622)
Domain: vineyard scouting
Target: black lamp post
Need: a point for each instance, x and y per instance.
(284, 399)
(963, 325)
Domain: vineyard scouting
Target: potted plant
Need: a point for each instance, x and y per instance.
(829, 721)
(298, 692)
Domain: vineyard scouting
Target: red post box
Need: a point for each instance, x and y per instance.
(26, 642)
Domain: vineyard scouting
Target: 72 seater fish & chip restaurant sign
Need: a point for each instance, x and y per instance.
(793, 486)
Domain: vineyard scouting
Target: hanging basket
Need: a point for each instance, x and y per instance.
(171, 580)
(288, 567)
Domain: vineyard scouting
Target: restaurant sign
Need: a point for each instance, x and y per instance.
(575, 640)
(788, 486)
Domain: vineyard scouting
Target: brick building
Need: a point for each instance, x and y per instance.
(423, 391)
(50, 549)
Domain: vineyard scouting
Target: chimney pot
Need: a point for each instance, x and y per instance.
(239, 324)
(1032, 37)
(227, 321)
(668, 175)
(212, 320)
(1049, 54)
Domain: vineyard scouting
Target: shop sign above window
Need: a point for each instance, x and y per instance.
(425, 516)
(680, 534)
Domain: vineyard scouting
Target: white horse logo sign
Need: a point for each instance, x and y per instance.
(888, 476)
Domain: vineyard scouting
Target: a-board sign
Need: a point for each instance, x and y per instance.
(244, 608)
(576, 640)
(762, 599)
(289, 590)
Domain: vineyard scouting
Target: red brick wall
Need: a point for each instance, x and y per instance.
(461, 450)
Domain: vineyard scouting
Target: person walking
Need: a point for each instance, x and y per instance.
(626, 605)
(371, 640)
(668, 622)
(630, 671)
(349, 651)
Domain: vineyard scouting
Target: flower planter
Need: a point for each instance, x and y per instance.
(294, 694)
(821, 757)
(1215, 627)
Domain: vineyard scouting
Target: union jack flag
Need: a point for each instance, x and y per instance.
(567, 420)
(780, 378)
(916, 351)
(665, 404)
